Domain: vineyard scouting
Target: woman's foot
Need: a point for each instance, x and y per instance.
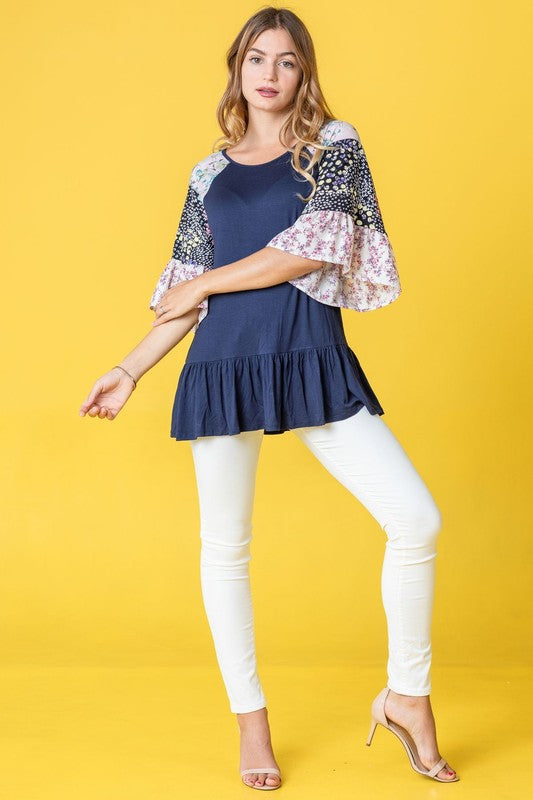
(416, 716)
(256, 748)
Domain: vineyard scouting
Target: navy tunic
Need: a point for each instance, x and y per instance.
(272, 358)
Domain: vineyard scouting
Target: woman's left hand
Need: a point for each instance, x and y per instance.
(179, 300)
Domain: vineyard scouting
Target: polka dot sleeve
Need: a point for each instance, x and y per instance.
(193, 249)
(342, 225)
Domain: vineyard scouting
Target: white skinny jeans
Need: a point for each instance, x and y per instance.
(363, 454)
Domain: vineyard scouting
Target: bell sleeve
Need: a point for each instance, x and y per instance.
(193, 248)
(343, 227)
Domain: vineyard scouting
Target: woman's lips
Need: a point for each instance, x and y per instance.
(267, 92)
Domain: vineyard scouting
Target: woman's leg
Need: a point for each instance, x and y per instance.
(225, 469)
(365, 456)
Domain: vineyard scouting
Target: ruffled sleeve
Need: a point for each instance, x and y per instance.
(343, 227)
(193, 249)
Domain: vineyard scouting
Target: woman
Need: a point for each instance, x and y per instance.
(280, 229)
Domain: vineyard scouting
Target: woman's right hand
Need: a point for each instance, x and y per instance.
(108, 395)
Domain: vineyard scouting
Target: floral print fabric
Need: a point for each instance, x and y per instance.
(341, 225)
(192, 252)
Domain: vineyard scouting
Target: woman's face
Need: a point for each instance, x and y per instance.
(271, 63)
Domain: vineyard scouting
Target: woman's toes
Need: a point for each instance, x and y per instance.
(446, 772)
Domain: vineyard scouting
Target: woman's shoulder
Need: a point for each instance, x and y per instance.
(203, 171)
(337, 129)
(331, 131)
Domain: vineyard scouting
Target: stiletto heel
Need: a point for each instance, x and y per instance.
(373, 725)
(378, 716)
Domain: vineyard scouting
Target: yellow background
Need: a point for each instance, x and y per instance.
(106, 107)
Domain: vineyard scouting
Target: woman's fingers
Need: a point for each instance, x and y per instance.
(97, 388)
(103, 412)
(100, 411)
(107, 396)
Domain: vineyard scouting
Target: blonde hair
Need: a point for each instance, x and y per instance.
(309, 110)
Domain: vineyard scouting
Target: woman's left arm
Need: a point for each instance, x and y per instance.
(266, 267)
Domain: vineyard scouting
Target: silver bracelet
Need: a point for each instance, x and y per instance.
(117, 366)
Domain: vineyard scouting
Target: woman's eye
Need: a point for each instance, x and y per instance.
(258, 58)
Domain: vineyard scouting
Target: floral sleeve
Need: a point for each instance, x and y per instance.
(343, 227)
(193, 248)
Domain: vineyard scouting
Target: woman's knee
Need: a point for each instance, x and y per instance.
(426, 523)
(226, 548)
(417, 524)
(429, 520)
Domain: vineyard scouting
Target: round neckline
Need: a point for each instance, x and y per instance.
(263, 164)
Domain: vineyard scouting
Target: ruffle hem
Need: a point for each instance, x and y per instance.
(271, 391)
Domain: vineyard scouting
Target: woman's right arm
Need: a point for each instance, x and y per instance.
(110, 392)
(192, 253)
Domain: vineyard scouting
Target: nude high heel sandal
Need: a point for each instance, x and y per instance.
(378, 716)
(262, 769)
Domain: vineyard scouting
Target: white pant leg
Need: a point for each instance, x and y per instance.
(225, 469)
(365, 457)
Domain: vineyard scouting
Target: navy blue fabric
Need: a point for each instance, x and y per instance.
(271, 358)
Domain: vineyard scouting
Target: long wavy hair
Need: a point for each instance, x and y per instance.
(309, 108)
